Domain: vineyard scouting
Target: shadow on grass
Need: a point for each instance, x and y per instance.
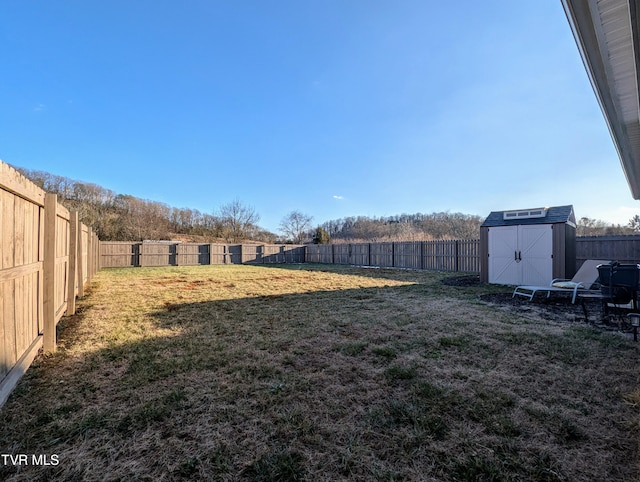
(398, 274)
(322, 385)
(461, 285)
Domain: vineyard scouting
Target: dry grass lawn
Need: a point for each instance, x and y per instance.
(321, 373)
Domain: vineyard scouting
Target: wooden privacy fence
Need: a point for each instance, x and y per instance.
(625, 249)
(115, 254)
(450, 255)
(46, 257)
(457, 255)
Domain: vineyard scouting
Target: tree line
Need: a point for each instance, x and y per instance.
(122, 217)
(596, 227)
(441, 226)
(404, 227)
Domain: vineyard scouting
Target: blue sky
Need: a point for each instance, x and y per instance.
(335, 107)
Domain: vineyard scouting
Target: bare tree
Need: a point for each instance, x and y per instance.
(296, 226)
(238, 220)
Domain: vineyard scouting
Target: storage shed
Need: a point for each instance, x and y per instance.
(528, 246)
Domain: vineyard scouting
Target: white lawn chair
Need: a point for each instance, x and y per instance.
(582, 282)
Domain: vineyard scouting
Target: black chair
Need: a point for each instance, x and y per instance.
(619, 283)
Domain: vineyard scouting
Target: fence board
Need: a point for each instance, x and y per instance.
(408, 255)
(8, 300)
(439, 255)
(295, 254)
(359, 254)
(468, 255)
(84, 273)
(341, 254)
(625, 249)
(450, 255)
(35, 284)
(251, 254)
(119, 254)
(157, 254)
(219, 254)
(382, 254)
(62, 243)
(192, 254)
(319, 253)
(273, 255)
(460, 255)
(314, 254)
(20, 267)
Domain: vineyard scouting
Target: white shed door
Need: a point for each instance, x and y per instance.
(503, 264)
(521, 254)
(536, 250)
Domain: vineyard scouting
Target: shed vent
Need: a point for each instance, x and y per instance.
(525, 214)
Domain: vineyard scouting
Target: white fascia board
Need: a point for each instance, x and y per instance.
(604, 34)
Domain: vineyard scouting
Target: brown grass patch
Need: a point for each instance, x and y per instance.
(321, 373)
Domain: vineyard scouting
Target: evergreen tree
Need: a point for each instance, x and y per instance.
(321, 236)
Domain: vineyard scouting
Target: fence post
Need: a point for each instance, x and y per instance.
(393, 254)
(141, 255)
(73, 263)
(94, 257)
(96, 253)
(99, 254)
(94, 268)
(89, 253)
(49, 273)
(136, 251)
(81, 262)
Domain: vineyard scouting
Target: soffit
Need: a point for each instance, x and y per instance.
(606, 32)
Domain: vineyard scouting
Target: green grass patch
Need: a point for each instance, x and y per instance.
(454, 341)
(353, 348)
(385, 352)
(398, 373)
(152, 411)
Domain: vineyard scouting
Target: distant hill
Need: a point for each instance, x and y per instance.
(405, 227)
(121, 217)
(443, 225)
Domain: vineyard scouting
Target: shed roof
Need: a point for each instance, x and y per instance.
(554, 215)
